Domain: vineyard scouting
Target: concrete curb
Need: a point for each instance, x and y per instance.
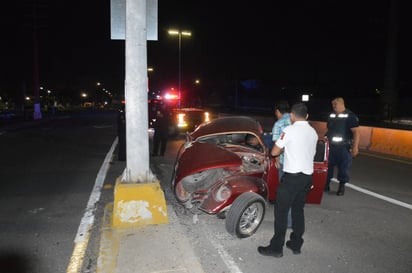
(146, 249)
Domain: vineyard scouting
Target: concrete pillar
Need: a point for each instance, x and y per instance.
(137, 140)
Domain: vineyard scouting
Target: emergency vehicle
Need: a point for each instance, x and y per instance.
(182, 119)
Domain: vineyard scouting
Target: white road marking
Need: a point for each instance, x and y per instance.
(227, 259)
(83, 233)
(377, 195)
(400, 160)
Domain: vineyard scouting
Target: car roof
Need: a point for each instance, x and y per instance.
(228, 124)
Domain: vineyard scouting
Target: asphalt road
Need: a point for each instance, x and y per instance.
(47, 173)
(366, 230)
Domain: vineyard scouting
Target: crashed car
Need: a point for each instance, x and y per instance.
(217, 172)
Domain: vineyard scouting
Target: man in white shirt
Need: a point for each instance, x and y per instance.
(298, 143)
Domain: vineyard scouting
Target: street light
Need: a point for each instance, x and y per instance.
(180, 34)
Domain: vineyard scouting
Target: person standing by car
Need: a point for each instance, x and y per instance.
(298, 141)
(161, 132)
(343, 135)
(283, 120)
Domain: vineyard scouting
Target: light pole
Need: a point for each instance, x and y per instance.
(180, 34)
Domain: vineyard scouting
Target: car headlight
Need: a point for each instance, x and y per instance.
(206, 117)
(181, 122)
(223, 193)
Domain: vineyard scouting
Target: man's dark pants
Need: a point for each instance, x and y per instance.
(291, 193)
(340, 157)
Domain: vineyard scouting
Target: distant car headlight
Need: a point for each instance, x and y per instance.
(223, 193)
(207, 117)
(181, 120)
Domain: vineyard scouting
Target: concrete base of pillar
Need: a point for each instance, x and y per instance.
(137, 204)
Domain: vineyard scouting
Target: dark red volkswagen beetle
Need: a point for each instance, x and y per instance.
(217, 172)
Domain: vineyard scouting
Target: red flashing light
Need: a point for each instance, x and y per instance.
(169, 96)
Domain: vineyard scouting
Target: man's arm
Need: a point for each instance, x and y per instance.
(355, 144)
(276, 151)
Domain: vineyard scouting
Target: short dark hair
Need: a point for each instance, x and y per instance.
(300, 110)
(282, 106)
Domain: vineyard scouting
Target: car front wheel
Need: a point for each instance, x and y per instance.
(245, 215)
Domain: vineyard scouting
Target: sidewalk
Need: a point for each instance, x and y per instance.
(146, 249)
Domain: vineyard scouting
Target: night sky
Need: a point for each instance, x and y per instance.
(322, 46)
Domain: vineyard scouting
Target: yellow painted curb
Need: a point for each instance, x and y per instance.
(138, 204)
(109, 244)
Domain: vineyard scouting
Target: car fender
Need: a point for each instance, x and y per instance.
(237, 186)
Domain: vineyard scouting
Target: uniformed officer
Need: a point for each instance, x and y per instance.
(161, 131)
(298, 142)
(343, 135)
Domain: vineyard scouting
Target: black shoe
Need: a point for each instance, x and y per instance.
(341, 190)
(289, 245)
(267, 251)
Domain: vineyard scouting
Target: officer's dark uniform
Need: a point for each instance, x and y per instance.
(340, 138)
(161, 134)
(121, 133)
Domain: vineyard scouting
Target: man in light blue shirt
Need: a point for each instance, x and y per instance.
(283, 120)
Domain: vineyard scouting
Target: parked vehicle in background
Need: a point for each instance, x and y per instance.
(182, 120)
(217, 172)
(187, 119)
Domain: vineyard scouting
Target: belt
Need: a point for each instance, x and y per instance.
(340, 143)
(346, 145)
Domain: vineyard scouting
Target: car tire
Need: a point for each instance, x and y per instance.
(245, 215)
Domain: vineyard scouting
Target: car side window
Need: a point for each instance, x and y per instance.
(253, 142)
(320, 151)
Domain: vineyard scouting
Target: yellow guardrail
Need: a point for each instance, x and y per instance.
(381, 140)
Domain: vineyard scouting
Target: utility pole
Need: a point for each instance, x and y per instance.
(138, 197)
(179, 33)
(137, 142)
